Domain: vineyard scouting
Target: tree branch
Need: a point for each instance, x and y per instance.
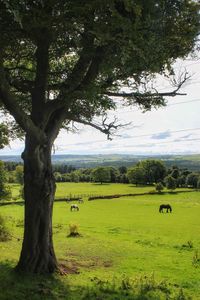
(177, 83)
(23, 86)
(86, 79)
(83, 63)
(93, 68)
(144, 95)
(104, 127)
(10, 103)
(41, 78)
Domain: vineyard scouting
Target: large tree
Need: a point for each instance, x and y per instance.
(154, 170)
(68, 61)
(136, 175)
(101, 174)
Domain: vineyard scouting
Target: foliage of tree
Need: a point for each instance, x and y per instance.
(192, 179)
(21, 192)
(66, 178)
(4, 231)
(19, 173)
(181, 181)
(74, 176)
(114, 174)
(198, 183)
(170, 182)
(67, 61)
(11, 165)
(4, 133)
(122, 170)
(154, 170)
(175, 172)
(101, 174)
(62, 168)
(5, 191)
(57, 176)
(136, 175)
(123, 178)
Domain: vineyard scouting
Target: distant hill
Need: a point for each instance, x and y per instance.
(192, 162)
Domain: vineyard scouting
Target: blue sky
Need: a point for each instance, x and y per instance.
(174, 129)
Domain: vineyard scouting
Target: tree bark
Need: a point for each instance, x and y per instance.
(37, 254)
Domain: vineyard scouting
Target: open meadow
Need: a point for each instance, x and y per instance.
(126, 248)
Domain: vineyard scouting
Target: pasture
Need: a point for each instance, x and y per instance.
(124, 244)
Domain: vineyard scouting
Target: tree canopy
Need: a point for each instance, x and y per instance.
(101, 174)
(154, 170)
(63, 61)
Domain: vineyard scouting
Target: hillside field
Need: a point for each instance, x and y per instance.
(127, 249)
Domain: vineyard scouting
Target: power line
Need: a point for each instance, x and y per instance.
(183, 102)
(168, 131)
(169, 142)
(138, 136)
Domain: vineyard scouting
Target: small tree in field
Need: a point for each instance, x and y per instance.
(65, 62)
(170, 183)
(159, 187)
(101, 174)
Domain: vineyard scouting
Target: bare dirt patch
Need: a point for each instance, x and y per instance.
(73, 266)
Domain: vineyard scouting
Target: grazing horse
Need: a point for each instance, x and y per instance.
(74, 207)
(165, 206)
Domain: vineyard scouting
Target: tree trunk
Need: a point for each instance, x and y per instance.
(37, 254)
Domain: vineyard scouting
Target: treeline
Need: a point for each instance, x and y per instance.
(148, 172)
(145, 172)
(99, 174)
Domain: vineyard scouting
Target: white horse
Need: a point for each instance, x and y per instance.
(74, 207)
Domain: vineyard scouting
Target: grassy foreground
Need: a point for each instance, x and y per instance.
(127, 250)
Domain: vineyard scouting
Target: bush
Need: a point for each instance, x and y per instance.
(5, 193)
(159, 187)
(73, 230)
(170, 183)
(4, 232)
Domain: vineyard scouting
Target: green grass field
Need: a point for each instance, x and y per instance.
(66, 189)
(127, 249)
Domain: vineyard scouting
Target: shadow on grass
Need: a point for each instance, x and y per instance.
(55, 287)
(20, 203)
(101, 184)
(24, 286)
(140, 185)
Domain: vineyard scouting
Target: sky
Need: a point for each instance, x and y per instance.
(174, 129)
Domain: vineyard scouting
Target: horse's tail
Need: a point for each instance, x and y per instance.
(160, 209)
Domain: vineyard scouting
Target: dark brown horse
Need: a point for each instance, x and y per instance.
(165, 206)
